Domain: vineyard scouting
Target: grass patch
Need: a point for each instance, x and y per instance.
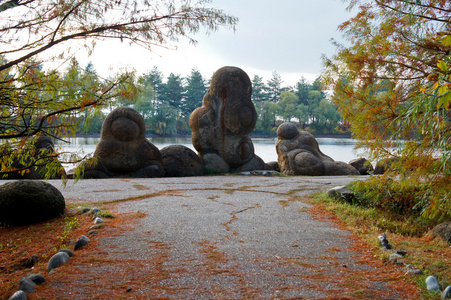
(71, 222)
(105, 214)
(407, 232)
(429, 200)
(375, 220)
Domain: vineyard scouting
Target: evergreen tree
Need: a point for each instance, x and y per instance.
(258, 90)
(155, 79)
(90, 68)
(302, 88)
(314, 99)
(194, 92)
(173, 91)
(274, 87)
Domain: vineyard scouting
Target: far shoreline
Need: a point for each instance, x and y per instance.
(336, 136)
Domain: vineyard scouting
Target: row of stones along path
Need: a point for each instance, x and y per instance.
(219, 237)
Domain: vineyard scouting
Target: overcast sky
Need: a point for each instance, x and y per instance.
(286, 36)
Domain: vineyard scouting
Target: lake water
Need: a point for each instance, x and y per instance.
(339, 149)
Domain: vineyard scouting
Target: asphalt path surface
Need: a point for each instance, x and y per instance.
(224, 237)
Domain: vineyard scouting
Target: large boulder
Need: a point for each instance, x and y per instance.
(29, 201)
(299, 154)
(343, 193)
(40, 160)
(384, 165)
(273, 165)
(222, 126)
(443, 231)
(363, 165)
(180, 161)
(123, 150)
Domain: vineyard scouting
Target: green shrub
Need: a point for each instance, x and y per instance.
(429, 199)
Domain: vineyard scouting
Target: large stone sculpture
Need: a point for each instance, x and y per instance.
(299, 154)
(221, 127)
(123, 150)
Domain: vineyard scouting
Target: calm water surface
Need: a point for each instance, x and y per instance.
(339, 149)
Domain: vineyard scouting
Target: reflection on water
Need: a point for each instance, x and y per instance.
(337, 148)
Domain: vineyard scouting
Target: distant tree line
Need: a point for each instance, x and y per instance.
(167, 103)
(304, 104)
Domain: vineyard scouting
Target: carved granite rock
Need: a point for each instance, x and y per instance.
(221, 127)
(181, 161)
(123, 150)
(299, 154)
(363, 165)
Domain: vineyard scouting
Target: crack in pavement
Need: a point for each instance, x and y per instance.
(195, 240)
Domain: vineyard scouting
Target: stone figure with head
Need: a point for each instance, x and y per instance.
(222, 126)
(123, 150)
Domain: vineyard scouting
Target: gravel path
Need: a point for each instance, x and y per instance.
(223, 237)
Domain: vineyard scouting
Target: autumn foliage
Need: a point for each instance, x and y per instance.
(392, 82)
(43, 90)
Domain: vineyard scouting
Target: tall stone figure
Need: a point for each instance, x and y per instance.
(123, 150)
(221, 127)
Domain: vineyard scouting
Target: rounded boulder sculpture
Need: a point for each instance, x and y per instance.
(29, 201)
(299, 154)
(181, 161)
(123, 150)
(221, 127)
(363, 165)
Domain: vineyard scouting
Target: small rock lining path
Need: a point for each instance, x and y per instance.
(219, 237)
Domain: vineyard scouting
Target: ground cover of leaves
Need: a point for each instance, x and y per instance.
(93, 274)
